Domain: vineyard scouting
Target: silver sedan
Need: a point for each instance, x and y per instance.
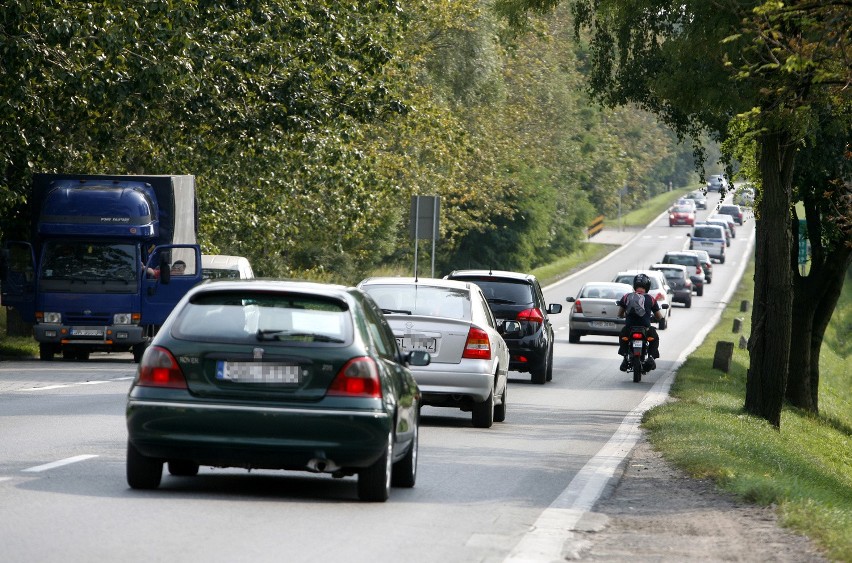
(595, 311)
(453, 322)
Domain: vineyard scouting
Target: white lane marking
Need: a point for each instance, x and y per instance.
(60, 463)
(551, 537)
(47, 387)
(5, 478)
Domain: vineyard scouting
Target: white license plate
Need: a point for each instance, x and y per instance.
(637, 344)
(602, 324)
(413, 343)
(257, 372)
(706, 244)
(80, 332)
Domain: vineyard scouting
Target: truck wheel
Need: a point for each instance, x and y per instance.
(138, 351)
(45, 352)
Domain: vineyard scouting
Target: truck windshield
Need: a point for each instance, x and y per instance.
(87, 261)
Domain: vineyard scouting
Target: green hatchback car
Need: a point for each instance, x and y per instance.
(263, 374)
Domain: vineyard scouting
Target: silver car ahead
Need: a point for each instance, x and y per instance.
(595, 312)
(452, 321)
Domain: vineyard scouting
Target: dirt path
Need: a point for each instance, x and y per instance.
(657, 513)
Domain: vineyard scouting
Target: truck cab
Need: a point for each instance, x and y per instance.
(97, 275)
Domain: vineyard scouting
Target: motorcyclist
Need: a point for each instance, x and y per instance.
(641, 286)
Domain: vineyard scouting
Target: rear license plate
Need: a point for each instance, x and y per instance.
(82, 332)
(413, 343)
(637, 344)
(256, 372)
(706, 244)
(602, 324)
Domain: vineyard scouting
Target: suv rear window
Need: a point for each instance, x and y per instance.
(708, 232)
(503, 292)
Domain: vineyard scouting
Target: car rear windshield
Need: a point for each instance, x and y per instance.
(671, 274)
(628, 279)
(708, 232)
(417, 299)
(683, 209)
(602, 292)
(729, 210)
(503, 292)
(680, 259)
(274, 317)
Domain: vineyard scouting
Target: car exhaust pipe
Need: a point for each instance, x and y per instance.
(318, 465)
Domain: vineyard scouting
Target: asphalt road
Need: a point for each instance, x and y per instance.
(512, 492)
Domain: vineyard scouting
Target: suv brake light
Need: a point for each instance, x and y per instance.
(160, 369)
(532, 315)
(477, 347)
(359, 377)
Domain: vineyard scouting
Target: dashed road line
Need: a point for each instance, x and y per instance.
(60, 463)
(64, 385)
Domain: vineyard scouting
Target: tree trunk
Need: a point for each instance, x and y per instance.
(814, 300)
(769, 345)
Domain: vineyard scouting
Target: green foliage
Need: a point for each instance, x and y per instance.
(310, 124)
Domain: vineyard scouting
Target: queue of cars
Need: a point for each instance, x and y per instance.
(303, 376)
(676, 278)
(272, 374)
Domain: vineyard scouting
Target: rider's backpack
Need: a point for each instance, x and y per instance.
(635, 304)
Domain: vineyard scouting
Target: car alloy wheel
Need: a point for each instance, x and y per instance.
(500, 410)
(404, 472)
(483, 413)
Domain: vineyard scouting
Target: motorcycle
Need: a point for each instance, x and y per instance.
(637, 351)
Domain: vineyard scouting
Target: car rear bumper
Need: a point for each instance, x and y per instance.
(682, 295)
(251, 436)
(441, 379)
(592, 327)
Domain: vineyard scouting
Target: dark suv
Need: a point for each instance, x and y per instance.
(518, 296)
(691, 261)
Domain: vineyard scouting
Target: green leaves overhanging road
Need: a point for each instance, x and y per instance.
(309, 124)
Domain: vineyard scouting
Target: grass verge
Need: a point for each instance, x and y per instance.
(805, 469)
(15, 346)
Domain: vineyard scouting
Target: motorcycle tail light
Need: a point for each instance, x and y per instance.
(637, 335)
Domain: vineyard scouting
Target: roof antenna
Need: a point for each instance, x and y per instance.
(490, 272)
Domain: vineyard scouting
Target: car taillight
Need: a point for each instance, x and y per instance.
(698, 269)
(359, 377)
(659, 296)
(531, 315)
(578, 307)
(477, 347)
(160, 369)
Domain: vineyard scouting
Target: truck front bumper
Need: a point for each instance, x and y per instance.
(93, 337)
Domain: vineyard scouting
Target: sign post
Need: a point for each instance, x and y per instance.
(425, 211)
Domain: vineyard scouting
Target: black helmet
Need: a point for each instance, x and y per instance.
(642, 280)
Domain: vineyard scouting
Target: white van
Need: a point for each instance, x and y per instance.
(216, 266)
(709, 237)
